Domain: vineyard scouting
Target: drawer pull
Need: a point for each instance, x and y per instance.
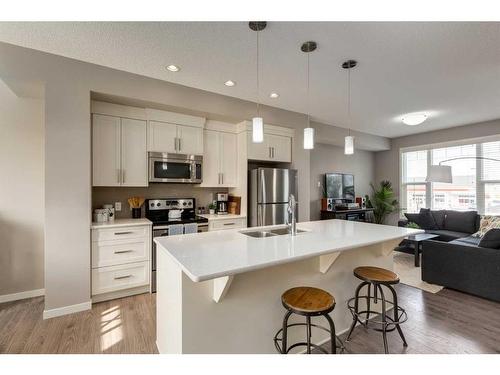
(229, 223)
(119, 233)
(122, 277)
(123, 251)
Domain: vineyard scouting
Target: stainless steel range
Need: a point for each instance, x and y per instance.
(172, 216)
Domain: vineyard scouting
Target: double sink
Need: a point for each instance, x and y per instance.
(269, 232)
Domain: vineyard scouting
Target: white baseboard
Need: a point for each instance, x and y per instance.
(52, 313)
(22, 295)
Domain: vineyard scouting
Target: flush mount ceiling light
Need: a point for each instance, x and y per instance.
(274, 95)
(257, 121)
(230, 83)
(349, 140)
(413, 119)
(307, 48)
(173, 68)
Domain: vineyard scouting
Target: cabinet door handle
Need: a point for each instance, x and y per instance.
(229, 224)
(118, 175)
(122, 277)
(180, 144)
(175, 143)
(270, 152)
(222, 178)
(123, 176)
(123, 251)
(120, 233)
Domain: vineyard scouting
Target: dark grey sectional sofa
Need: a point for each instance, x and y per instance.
(455, 259)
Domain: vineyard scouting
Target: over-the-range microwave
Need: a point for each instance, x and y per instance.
(176, 168)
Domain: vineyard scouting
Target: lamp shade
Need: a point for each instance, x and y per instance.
(439, 173)
(308, 138)
(349, 145)
(257, 130)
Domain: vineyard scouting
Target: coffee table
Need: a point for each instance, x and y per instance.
(416, 240)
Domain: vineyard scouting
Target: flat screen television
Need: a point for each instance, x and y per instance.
(339, 186)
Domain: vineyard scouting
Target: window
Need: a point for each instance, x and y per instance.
(476, 182)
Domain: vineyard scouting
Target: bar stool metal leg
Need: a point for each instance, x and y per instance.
(356, 308)
(284, 347)
(333, 337)
(308, 333)
(396, 315)
(368, 302)
(384, 318)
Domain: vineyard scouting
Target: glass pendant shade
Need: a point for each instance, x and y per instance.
(439, 173)
(257, 130)
(349, 145)
(308, 138)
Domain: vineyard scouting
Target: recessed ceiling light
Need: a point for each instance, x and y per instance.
(414, 118)
(173, 68)
(274, 95)
(230, 83)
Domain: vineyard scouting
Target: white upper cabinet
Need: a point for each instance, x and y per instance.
(134, 160)
(162, 137)
(106, 151)
(190, 140)
(119, 156)
(219, 159)
(174, 132)
(276, 148)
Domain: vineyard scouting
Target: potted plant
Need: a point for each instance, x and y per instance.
(211, 208)
(382, 201)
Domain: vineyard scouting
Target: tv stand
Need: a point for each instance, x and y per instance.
(356, 214)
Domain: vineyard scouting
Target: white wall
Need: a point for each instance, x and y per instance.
(328, 158)
(21, 193)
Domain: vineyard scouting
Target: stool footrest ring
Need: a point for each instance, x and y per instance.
(390, 322)
(278, 339)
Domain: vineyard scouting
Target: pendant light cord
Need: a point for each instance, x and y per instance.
(258, 82)
(349, 99)
(308, 98)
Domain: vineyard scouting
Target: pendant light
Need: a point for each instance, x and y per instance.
(308, 47)
(349, 140)
(257, 121)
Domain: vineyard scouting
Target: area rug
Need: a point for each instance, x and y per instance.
(404, 266)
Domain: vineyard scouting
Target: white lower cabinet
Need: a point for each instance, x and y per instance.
(230, 223)
(120, 261)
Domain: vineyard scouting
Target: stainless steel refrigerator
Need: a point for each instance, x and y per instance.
(269, 189)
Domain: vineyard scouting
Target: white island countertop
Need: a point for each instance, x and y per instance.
(209, 255)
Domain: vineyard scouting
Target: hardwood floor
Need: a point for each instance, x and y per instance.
(446, 322)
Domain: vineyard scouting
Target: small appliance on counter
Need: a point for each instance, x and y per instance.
(104, 214)
(222, 203)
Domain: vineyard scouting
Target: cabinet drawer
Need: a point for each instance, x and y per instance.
(227, 224)
(111, 253)
(110, 279)
(105, 234)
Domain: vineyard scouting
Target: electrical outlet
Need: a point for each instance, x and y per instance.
(118, 206)
(319, 184)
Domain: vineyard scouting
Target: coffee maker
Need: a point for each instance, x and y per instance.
(222, 204)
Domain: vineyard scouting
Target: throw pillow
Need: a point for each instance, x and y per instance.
(491, 239)
(460, 221)
(487, 223)
(426, 220)
(412, 218)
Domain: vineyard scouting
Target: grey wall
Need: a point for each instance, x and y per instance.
(110, 195)
(387, 163)
(328, 158)
(21, 193)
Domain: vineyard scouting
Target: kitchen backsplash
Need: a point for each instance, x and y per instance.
(110, 195)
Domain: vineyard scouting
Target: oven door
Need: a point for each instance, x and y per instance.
(175, 168)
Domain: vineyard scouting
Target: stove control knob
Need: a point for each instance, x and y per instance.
(190, 203)
(184, 203)
(152, 204)
(158, 204)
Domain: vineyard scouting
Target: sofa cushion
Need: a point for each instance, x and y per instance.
(439, 216)
(468, 241)
(426, 220)
(448, 235)
(487, 223)
(460, 221)
(491, 239)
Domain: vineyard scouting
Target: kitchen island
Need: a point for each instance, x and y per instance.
(219, 292)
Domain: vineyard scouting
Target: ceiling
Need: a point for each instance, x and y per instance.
(450, 70)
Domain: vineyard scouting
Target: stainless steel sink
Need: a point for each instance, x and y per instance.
(258, 234)
(268, 232)
(282, 231)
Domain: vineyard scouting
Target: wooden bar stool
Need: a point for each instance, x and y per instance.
(308, 302)
(375, 277)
